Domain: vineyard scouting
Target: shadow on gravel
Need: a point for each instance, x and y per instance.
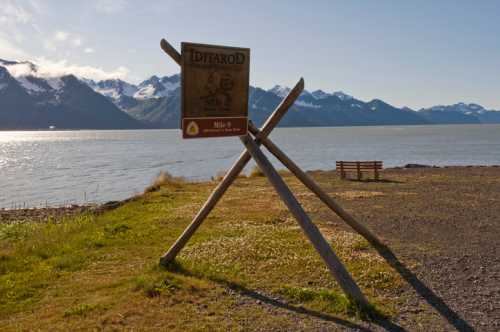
(389, 326)
(428, 294)
(243, 291)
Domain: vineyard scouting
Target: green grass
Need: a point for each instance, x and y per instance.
(80, 310)
(153, 286)
(333, 301)
(97, 267)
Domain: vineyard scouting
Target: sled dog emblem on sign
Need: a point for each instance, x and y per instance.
(215, 81)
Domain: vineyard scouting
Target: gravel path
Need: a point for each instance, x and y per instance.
(447, 220)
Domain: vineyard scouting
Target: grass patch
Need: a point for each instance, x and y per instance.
(249, 243)
(154, 286)
(80, 310)
(333, 301)
(255, 171)
(361, 245)
(219, 176)
(69, 262)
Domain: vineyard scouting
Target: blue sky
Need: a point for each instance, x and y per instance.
(408, 53)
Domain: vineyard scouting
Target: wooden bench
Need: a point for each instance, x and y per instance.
(359, 167)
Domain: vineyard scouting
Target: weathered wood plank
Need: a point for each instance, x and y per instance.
(363, 168)
(333, 263)
(171, 51)
(359, 167)
(360, 162)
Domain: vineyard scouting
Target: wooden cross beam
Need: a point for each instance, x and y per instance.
(231, 175)
(313, 186)
(333, 263)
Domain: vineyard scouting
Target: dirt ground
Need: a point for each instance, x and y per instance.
(447, 220)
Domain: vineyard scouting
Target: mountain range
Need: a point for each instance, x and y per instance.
(29, 100)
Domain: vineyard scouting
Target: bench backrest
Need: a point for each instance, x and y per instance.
(363, 165)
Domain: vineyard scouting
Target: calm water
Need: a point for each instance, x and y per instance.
(63, 167)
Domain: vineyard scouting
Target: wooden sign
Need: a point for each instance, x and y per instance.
(215, 82)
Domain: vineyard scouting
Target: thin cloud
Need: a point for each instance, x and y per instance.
(64, 38)
(46, 69)
(14, 14)
(61, 35)
(11, 13)
(77, 42)
(89, 50)
(9, 50)
(109, 6)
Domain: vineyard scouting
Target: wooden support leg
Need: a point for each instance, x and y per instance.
(230, 176)
(333, 263)
(313, 186)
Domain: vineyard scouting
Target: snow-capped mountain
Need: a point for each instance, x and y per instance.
(282, 91)
(342, 95)
(113, 89)
(460, 113)
(156, 101)
(156, 87)
(31, 100)
(279, 90)
(320, 94)
(26, 75)
(459, 107)
(125, 95)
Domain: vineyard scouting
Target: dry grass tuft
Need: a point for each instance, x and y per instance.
(219, 176)
(164, 178)
(354, 194)
(255, 172)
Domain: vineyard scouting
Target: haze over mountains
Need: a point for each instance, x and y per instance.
(29, 100)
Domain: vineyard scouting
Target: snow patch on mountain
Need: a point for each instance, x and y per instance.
(20, 69)
(306, 104)
(320, 94)
(28, 76)
(464, 108)
(113, 89)
(280, 91)
(156, 87)
(55, 82)
(146, 92)
(29, 86)
(342, 96)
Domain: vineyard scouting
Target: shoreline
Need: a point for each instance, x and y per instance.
(278, 127)
(41, 214)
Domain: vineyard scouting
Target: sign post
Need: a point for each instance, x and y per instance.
(215, 82)
(214, 104)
